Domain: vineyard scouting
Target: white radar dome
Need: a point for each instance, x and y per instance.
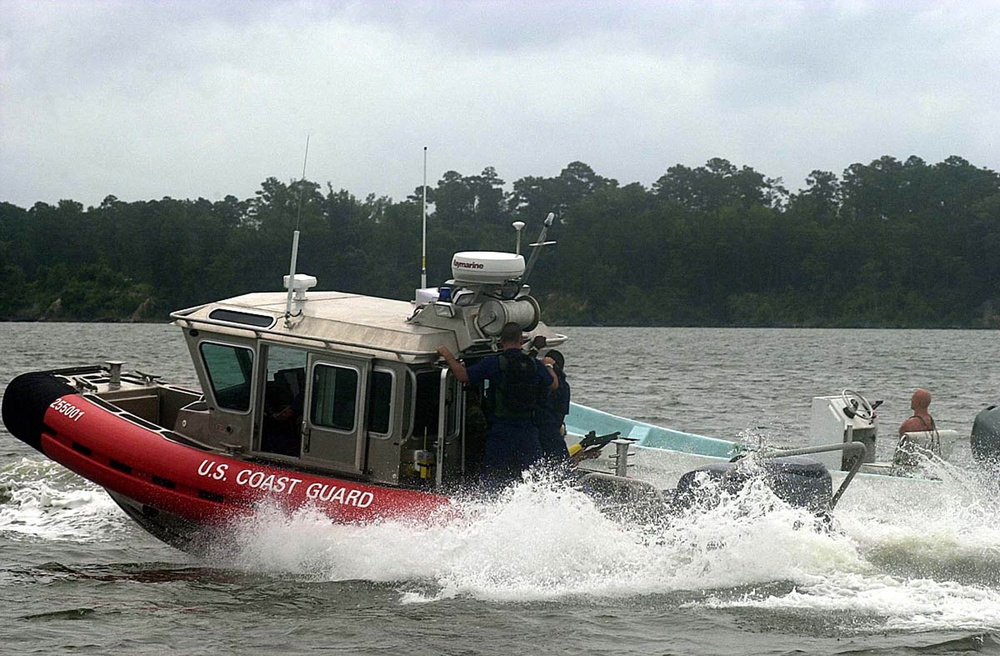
(486, 267)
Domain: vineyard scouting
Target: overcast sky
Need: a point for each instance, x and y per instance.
(191, 99)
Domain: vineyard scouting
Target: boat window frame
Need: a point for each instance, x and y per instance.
(358, 396)
(250, 380)
(433, 373)
(392, 402)
(454, 419)
(409, 404)
(267, 375)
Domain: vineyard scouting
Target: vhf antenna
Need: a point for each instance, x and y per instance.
(423, 243)
(295, 245)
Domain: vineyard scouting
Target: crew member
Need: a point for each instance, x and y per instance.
(515, 382)
(553, 406)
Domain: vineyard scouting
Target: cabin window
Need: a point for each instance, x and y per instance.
(286, 375)
(409, 392)
(229, 373)
(425, 416)
(334, 397)
(235, 316)
(427, 403)
(284, 396)
(380, 403)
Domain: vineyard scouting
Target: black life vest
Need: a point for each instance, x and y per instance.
(516, 391)
(553, 405)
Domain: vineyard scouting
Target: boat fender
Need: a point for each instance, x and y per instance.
(25, 402)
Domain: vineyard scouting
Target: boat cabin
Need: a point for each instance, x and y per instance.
(352, 385)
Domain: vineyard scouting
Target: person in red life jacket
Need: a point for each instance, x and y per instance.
(515, 382)
(921, 419)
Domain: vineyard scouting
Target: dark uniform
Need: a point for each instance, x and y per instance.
(511, 435)
(549, 416)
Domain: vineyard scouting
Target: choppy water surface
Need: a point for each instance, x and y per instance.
(541, 570)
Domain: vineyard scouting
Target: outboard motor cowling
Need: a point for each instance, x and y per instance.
(797, 480)
(985, 438)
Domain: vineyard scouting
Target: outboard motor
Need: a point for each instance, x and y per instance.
(985, 438)
(797, 480)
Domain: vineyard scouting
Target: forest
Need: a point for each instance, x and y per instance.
(886, 244)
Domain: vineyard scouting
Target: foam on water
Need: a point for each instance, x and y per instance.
(931, 565)
(927, 560)
(906, 604)
(41, 499)
(542, 540)
(947, 528)
(930, 556)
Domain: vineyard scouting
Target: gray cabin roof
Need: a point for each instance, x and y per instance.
(353, 322)
(341, 321)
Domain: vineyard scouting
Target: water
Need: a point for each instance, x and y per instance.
(540, 570)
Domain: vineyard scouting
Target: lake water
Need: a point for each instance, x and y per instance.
(540, 571)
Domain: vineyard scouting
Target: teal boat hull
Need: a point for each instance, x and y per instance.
(582, 419)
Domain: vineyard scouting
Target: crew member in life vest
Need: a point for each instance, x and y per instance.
(553, 406)
(516, 380)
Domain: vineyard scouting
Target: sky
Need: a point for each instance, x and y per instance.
(192, 99)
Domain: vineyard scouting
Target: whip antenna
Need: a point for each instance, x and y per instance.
(295, 244)
(423, 244)
(305, 159)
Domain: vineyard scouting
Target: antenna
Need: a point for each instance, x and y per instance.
(538, 245)
(305, 159)
(295, 244)
(519, 226)
(423, 244)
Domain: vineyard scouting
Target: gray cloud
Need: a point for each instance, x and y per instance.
(189, 99)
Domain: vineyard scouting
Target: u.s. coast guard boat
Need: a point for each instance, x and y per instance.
(315, 398)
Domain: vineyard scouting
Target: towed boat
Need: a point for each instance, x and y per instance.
(845, 418)
(322, 399)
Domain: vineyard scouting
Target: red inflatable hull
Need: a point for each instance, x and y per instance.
(201, 487)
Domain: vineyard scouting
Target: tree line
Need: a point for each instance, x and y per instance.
(886, 244)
